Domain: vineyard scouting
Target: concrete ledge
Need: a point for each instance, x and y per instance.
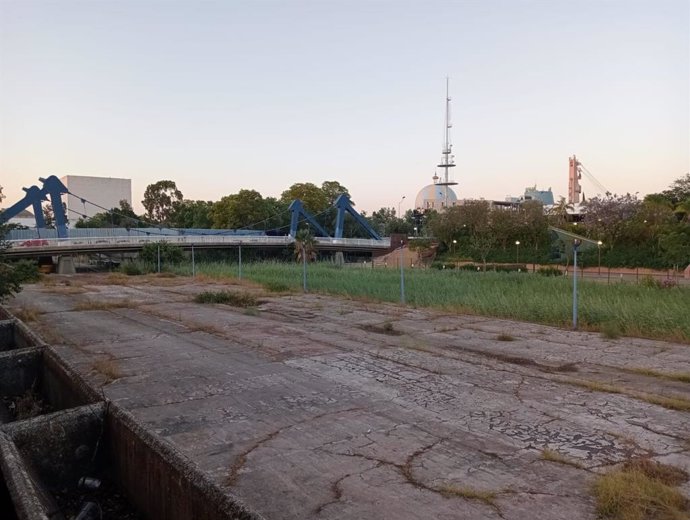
(161, 482)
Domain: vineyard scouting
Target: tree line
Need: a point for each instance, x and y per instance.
(653, 231)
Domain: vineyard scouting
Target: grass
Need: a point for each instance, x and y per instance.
(27, 313)
(236, 299)
(677, 403)
(631, 309)
(94, 305)
(554, 456)
(641, 490)
(610, 330)
(109, 368)
(505, 337)
(469, 493)
(683, 377)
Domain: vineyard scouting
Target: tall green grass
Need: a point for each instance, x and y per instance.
(634, 309)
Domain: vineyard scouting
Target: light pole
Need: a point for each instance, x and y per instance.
(239, 261)
(415, 231)
(517, 251)
(402, 274)
(599, 243)
(399, 203)
(454, 242)
(576, 244)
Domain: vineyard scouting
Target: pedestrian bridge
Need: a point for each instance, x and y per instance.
(33, 247)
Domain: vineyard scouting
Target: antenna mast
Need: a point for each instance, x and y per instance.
(447, 159)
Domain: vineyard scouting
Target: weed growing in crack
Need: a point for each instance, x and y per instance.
(554, 456)
(469, 493)
(505, 337)
(641, 489)
(235, 299)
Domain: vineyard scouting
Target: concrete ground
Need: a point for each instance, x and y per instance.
(320, 407)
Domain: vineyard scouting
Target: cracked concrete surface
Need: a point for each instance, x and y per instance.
(308, 409)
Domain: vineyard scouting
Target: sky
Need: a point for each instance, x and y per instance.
(224, 95)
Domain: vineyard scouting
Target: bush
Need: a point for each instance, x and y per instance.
(550, 271)
(132, 269)
(170, 253)
(236, 299)
(26, 270)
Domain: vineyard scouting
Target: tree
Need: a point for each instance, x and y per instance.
(10, 278)
(305, 246)
(333, 189)
(246, 209)
(675, 247)
(314, 198)
(679, 190)
(192, 214)
(385, 222)
(160, 200)
(122, 216)
(559, 212)
(533, 223)
(609, 217)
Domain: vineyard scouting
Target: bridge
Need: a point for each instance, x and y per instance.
(126, 244)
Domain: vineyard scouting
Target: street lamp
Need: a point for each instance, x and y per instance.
(415, 231)
(517, 251)
(576, 245)
(599, 243)
(399, 203)
(454, 242)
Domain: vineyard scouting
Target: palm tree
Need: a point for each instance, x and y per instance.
(305, 244)
(560, 211)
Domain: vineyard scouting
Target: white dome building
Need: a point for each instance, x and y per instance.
(436, 196)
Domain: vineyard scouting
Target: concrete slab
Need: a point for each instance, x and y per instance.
(318, 407)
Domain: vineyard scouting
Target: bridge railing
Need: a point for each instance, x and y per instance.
(95, 243)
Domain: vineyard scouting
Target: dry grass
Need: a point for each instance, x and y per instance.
(505, 337)
(641, 490)
(28, 405)
(27, 313)
(469, 493)
(384, 328)
(683, 377)
(677, 403)
(117, 279)
(93, 305)
(554, 456)
(235, 299)
(109, 368)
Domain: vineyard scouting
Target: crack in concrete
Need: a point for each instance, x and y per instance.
(241, 459)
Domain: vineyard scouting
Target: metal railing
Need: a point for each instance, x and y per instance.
(115, 242)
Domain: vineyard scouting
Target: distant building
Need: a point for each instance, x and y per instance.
(106, 192)
(435, 196)
(24, 218)
(543, 196)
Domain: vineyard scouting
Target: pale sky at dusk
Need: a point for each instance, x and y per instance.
(220, 96)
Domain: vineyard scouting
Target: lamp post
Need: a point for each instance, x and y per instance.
(402, 274)
(239, 261)
(576, 244)
(399, 203)
(454, 242)
(517, 251)
(415, 231)
(599, 243)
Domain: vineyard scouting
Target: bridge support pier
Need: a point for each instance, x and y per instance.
(66, 265)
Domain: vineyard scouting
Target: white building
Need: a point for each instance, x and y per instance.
(106, 192)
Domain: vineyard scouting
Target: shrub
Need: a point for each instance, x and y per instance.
(132, 269)
(236, 299)
(549, 271)
(170, 253)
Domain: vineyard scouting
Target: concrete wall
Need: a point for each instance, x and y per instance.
(104, 191)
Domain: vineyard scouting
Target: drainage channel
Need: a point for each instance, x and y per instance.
(65, 453)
